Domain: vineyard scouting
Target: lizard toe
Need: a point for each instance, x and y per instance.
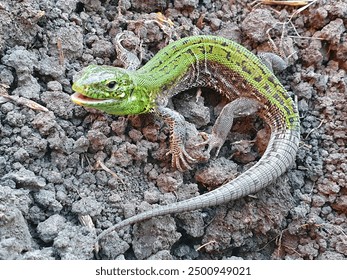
(181, 160)
(213, 142)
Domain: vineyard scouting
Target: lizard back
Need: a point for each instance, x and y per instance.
(221, 64)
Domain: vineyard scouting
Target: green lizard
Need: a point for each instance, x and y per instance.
(200, 61)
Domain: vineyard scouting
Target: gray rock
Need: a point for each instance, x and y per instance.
(154, 235)
(14, 233)
(26, 179)
(179, 4)
(87, 206)
(50, 228)
(113, 246)
(75, 243)
(46, 198)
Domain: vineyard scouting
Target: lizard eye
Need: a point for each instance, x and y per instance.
(111, 85)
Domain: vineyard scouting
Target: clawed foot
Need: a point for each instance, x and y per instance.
(180, 160)
(212, 141)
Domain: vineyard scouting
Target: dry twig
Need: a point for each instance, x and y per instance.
(104, 167)
(21, 100)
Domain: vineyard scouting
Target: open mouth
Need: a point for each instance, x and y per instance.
(80, 99)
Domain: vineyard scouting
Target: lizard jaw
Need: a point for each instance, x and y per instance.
(81, 100)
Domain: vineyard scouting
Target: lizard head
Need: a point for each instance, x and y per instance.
(110, 89)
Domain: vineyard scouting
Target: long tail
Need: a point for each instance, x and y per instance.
(279, 155)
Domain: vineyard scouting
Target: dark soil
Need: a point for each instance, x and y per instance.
(67, 173)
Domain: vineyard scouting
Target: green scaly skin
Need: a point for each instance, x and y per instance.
(136, 92)
(200, 61)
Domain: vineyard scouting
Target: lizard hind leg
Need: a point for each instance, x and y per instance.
(238, 108)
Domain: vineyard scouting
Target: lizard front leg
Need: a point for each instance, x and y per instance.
(130, 61)
(181, 160)
(237, 108)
